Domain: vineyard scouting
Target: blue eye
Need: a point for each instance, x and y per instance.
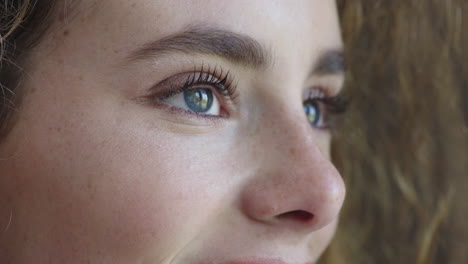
(312, 112)
(199, 100)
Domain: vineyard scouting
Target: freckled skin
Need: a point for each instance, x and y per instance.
(92, 176)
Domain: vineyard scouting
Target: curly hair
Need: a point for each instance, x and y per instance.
(22, 25)
(402, 149)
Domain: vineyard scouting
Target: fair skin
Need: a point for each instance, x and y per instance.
(94, 171)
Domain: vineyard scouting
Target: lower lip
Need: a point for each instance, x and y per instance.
(260, 261)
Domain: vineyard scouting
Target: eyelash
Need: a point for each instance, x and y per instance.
(216, 77)
(222, 82)
(333, 105)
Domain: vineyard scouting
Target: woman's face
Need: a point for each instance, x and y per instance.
(176, 132)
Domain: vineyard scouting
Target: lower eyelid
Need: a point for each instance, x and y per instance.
(179, 115)
(215, 78)
(174, 110)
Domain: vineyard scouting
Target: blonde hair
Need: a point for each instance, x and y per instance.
(402, 148)
(22, 25)
(10, 21)
(11, 16)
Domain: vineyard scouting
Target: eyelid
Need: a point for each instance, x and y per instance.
(329, 85)
(331, 107)
(216, 79)
(198, 76)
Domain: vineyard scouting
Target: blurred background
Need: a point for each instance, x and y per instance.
(403, 146)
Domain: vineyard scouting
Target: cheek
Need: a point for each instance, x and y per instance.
(322, 238)
(323, 140)
(112, 186)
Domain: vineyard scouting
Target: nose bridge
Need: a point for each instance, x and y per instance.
(289, 135)
(296, 178)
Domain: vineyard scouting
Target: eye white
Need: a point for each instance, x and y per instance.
(179, 101)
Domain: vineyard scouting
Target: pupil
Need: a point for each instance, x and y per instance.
(312, 113)
(198, 100)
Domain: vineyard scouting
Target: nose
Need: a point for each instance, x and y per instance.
(295, 186)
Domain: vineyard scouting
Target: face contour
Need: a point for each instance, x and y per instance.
(160, 131)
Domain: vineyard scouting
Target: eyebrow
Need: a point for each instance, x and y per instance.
(330, 62)
(235, 47)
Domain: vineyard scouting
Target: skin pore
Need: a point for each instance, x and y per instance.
(104, 165)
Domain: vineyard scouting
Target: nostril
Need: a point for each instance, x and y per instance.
(298, 215)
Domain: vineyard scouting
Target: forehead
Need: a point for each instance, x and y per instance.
(296, 32)
(278, 24)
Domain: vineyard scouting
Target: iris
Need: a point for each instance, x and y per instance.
(312, 112)
(199, 100)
